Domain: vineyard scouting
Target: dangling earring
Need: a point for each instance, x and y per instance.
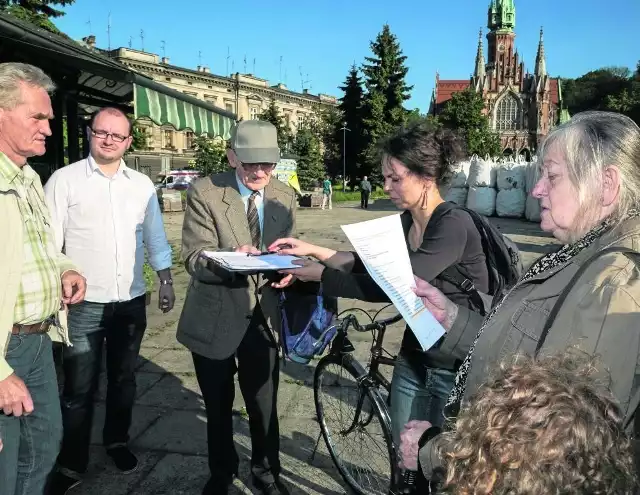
(424, 199)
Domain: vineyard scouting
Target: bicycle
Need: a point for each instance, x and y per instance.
(370, 415)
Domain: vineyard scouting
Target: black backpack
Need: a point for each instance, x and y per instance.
(503, 262)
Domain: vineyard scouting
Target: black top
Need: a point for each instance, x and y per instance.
(451, 238)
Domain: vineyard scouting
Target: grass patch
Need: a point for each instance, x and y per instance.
(149, 277)
(339, 196)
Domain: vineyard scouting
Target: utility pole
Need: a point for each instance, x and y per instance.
(344, 130)
(163, 45)
(130, 41)
(199, 58)
(142, 38)
(228, 57)
(254, 66)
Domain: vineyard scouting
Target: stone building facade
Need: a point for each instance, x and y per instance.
(242, 94)
(522, 107)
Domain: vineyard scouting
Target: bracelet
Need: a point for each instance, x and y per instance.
(166, 281)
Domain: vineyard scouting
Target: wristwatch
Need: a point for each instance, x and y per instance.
(166, 281)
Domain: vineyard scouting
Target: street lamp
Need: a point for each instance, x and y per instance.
(344, 130)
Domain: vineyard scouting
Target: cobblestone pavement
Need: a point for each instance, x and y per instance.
(169, 423)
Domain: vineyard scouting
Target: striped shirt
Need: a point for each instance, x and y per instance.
(40, 294)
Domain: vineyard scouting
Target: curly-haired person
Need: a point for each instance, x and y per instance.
(541, 427)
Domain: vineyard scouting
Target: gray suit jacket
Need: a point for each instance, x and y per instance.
(219, 304)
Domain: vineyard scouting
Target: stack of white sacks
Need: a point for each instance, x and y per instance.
(458, 189)
(511, 198)
(482, 182)
(499, 187)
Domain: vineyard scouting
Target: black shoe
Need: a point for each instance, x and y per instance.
(276, 488)
(124, 459)
(61, 484)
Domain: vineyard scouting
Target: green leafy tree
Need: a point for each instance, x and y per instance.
(323, 124)
(210, 156)
(386, 92)
(463, 112)
(37, 12)
(272, 114)
(139, 142)
(306, 147)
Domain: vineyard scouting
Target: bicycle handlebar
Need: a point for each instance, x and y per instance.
(351, 319)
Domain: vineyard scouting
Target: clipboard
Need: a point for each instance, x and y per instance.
(243, 263)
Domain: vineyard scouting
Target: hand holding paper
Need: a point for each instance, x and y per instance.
(381, 245)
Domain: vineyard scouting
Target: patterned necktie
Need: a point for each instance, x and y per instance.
(254, 220)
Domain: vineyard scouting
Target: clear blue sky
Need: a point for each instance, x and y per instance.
(325, 37)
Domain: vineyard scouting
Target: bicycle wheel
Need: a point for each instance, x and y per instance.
(355, 425)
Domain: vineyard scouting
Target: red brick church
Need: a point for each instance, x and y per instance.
(521, 106)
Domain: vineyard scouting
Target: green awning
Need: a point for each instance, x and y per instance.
(163, 106)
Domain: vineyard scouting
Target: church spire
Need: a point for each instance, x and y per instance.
(479, 71)
(502, 15)
(541, 65)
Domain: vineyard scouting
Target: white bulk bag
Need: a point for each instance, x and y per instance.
(482, 200)
(511, 203)
(532, 209)
(510, 176)
(482, 173)
(457, 195)
(460, 174)
(532, 176)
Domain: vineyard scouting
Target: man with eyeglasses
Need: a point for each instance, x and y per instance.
(105, 215)
(228, 321)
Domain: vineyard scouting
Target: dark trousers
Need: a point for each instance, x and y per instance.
(257, 367)
(121, 325)
(32, 442)
(364, 199)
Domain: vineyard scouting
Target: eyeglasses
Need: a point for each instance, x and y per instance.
(118, 138)
(253, 167)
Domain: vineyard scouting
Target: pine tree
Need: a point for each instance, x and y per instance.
(272, 114)
(306, 147)
(38, 12)
(385, 74)
(353, 143)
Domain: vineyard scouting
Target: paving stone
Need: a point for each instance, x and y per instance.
(144, 381)
(173, 391)
(143, 417)
(184, 432)
(171, 360)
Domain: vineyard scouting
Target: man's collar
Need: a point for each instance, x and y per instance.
(9, 172)
(92, 167)
(244, 190)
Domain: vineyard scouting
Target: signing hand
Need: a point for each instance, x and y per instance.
(15, 399)
(247, 249)
(439, 305)
(309, 271)
(74, 287)
(293, 247)
(409, 439)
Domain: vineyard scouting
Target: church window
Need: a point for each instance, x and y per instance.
(508, 114)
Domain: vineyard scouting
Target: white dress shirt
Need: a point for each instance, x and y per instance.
(245, 193)
(104, 223)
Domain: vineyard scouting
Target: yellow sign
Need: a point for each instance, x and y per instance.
(293, 182)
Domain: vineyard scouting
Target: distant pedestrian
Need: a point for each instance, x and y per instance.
(365, 192)
(327, 192)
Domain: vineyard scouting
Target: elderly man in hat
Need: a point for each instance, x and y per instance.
(229, 321)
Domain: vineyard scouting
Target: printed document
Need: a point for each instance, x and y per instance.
(381, 245)
(240, 262)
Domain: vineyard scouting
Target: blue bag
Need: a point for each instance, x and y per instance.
(308, 323)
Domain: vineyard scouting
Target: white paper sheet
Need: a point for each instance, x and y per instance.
(381, 245)
(233, 261)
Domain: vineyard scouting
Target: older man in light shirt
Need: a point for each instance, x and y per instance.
(35, 279)
(104, 215)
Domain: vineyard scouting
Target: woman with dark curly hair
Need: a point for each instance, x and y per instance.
(586, 293)
(547, 426)
(416, 165)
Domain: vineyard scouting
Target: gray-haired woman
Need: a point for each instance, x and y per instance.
(589, 192)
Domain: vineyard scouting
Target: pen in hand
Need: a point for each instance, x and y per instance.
(263, 253)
